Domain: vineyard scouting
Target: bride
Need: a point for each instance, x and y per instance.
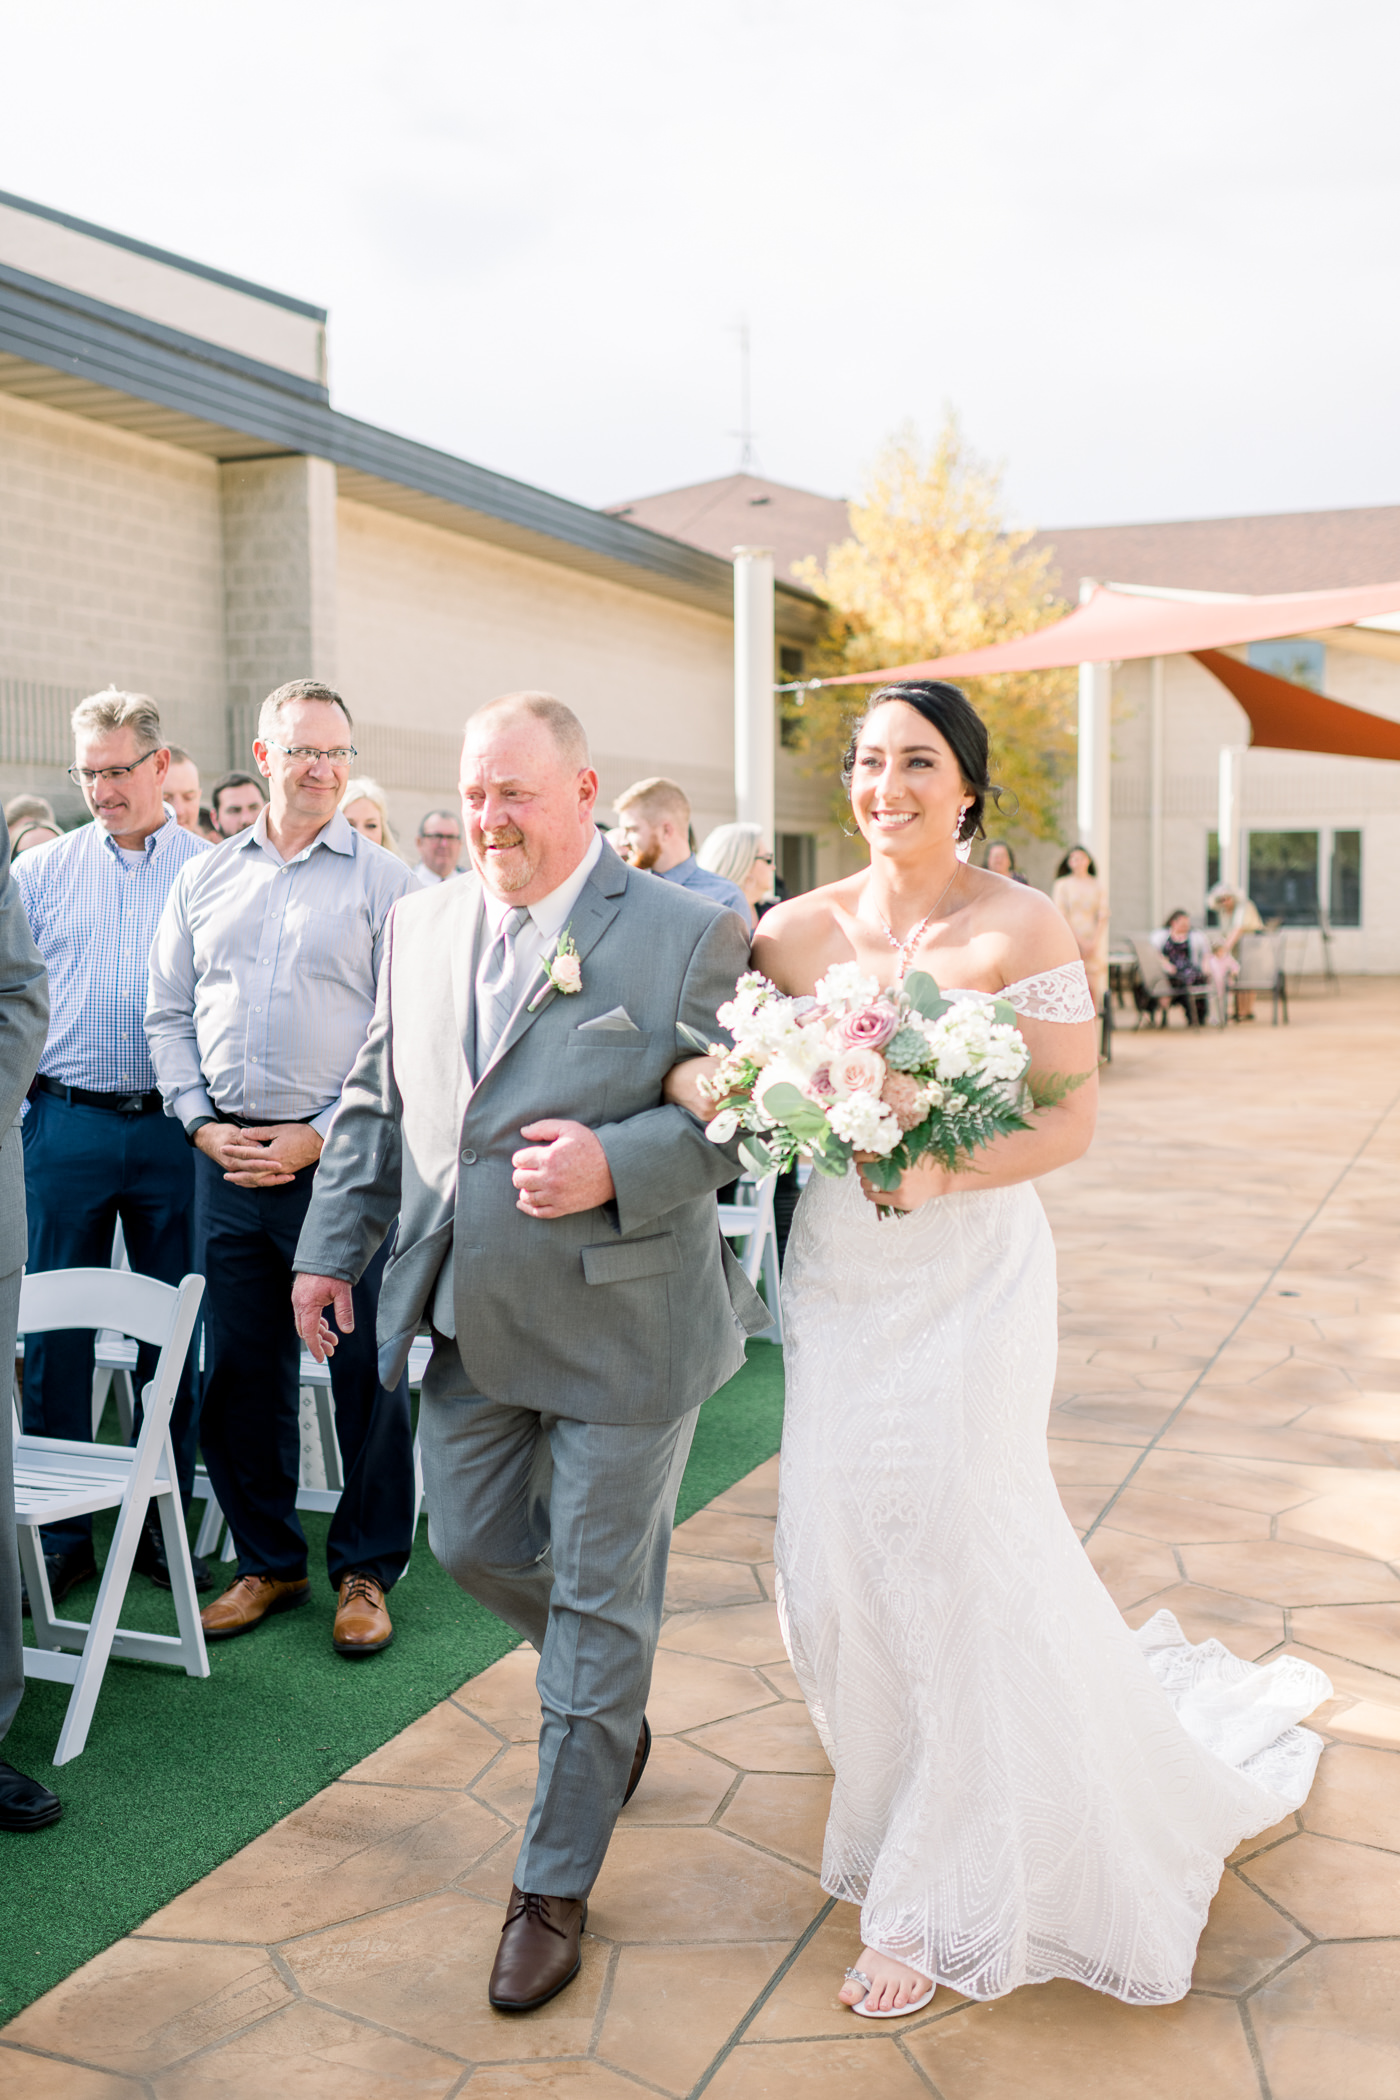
(1024, 1788)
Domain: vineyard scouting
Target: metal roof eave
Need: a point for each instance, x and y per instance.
(227, 406)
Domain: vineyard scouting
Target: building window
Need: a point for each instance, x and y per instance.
(1283, 876)
(1344, 888)
(797, 862)
(792, 662)
(1301, 663)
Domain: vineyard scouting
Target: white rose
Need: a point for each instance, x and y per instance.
(722, 1127)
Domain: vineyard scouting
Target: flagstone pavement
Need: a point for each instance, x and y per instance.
(1227, 1435)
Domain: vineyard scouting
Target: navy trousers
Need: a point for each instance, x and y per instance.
(83, 1169)
(245, 1240)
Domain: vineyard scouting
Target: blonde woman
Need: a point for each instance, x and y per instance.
(741, 854)
(1081, 899)
(367, 811)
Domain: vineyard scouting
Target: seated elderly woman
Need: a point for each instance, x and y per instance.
(1186, 954)
(1237, 917)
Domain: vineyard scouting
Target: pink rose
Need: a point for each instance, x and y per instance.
(819, 1086)
(870, 1028)
(857, 1071)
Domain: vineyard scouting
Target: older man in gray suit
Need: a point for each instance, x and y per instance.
(557, 1227)
(24, 1025)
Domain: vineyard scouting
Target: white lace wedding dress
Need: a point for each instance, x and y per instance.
(1024, 1788)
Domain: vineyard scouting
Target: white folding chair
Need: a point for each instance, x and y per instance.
(322, 1471)
(751, 1221)
(114, 1362)
(58, 1479)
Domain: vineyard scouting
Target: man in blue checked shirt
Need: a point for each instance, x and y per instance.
(263, 978)
(96, 1147)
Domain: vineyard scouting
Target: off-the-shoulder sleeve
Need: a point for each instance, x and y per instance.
(1054, 995)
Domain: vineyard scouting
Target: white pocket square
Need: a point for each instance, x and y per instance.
(616, 1019)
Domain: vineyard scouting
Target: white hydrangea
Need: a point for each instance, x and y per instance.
(865, 1123)
(846, 985)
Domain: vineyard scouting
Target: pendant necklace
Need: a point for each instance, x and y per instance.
(905, 949)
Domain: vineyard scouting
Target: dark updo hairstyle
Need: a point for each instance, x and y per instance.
(948, 710)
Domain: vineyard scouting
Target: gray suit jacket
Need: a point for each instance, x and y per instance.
(24, 1027)
(634, 1312)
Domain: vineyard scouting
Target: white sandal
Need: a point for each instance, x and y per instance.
(896, 2012)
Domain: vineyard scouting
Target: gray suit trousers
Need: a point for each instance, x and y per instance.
(563, 1529)
(11, 1633)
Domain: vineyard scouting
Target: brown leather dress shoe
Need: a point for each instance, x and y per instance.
(247, 1602)
(362, 1625)
(539, 1950)
(639, 1761)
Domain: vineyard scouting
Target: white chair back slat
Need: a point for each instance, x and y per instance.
(133, 1305)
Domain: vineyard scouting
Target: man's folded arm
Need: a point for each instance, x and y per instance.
(355, 1197)
(170, 1029)
(663, 1157)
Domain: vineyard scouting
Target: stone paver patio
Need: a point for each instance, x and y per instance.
(1227, 1435)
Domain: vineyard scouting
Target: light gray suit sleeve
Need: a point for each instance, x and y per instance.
(663, 1157)
(356, 1193)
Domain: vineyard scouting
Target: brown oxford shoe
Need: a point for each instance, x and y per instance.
(362, 1625)
(639, 1761)
(539, 1951)
(247, 1602)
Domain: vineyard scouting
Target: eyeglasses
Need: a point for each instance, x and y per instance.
(765, 857)
(307, 756)
(454, 836)
(108, 774)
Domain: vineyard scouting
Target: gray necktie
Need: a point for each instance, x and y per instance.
(495, 988)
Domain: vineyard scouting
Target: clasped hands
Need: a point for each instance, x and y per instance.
(265, 1157)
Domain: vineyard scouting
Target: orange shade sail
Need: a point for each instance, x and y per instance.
(1287, 717)
(1116, 626)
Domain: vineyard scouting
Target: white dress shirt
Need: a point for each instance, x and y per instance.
(263, 974)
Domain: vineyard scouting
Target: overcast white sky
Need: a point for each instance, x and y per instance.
(1149, 253)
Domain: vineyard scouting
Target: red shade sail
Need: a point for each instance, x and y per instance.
(1114, 626)
(1287, 717)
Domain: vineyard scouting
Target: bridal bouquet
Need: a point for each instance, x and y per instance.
(895, 1075)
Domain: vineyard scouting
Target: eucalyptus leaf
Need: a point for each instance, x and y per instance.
(756, 1156)
(923, 995)
(1005, 1013)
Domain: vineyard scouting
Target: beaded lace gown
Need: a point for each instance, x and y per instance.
(1025, 1789)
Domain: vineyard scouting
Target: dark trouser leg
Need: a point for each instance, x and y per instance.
(249, 1423)
(11, 1637)
(371, 1531)
(156, 1204)
(72, 1178)
(612, 1506)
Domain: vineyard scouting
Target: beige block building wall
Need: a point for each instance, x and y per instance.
(432, 624)
(111, 568)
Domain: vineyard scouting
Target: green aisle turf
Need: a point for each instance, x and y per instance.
(180, 1772)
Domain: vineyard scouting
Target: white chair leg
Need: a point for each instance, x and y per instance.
(193, 1653)
(210, 1528)
(101, 1387)
(36, 1582)
(330, 1443)
(126, 1405)
(97, 1648)
(771, 1283)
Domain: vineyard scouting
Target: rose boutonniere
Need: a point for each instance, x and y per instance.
(563, 971)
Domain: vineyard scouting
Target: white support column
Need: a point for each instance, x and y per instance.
(755, 713)
(1230, 821)
(1157, 791)
(1095, 691)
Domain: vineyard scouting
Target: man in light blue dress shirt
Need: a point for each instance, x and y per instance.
(96, 1147)
(656, 822)
(263, 979)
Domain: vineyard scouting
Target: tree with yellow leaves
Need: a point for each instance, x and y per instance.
(930, 570)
